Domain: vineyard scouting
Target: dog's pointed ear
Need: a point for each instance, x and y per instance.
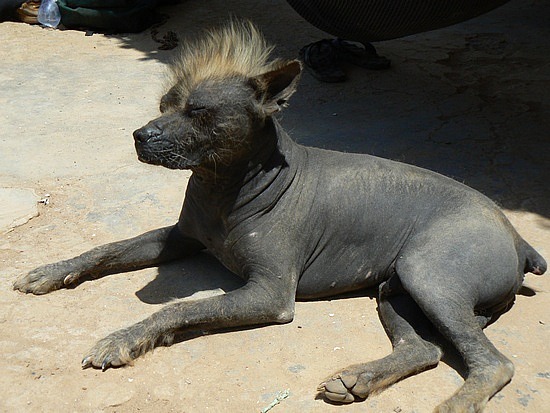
(277, 86)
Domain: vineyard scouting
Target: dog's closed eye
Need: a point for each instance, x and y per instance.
(195, 110)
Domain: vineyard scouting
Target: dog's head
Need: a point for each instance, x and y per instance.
(223, 89)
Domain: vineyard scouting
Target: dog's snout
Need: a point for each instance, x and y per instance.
(147, 132)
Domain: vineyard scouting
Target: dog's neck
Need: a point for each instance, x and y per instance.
(265, 174)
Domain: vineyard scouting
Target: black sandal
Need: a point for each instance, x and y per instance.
(366, 57)
(321, 59)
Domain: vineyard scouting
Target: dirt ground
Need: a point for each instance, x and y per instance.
(470, 101)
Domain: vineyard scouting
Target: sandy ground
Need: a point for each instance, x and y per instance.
(470, 101)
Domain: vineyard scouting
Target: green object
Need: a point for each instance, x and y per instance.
(108, 15)
(280, 397)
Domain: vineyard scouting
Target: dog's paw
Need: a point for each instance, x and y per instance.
(123, 346)
(358, 381)
(115, 350)
(45, 279)
(338, 388)
(454, 405)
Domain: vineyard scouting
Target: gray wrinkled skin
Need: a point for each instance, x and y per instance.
(299, 222)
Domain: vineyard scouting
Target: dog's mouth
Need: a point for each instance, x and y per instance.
(165, 156)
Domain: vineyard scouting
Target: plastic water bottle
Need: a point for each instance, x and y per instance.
(48, 13)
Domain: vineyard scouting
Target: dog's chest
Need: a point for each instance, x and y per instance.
(215, 234)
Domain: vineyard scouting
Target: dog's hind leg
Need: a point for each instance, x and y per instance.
(451, 310)
(148, 249)
(411, 353)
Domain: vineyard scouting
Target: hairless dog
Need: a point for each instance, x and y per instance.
(300, 222)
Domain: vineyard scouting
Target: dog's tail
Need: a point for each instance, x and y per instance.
(534, 262)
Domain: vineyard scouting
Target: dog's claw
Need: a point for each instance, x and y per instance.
(86, 363)
(69, 279)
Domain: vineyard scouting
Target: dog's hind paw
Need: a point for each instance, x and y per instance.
(359, 381)
(337, 390)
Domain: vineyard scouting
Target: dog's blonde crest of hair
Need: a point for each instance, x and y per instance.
(234, 49)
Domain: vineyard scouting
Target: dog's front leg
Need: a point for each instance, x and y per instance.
(254, 304)
(150, 248)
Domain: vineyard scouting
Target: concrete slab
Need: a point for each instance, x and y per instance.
(18, 207)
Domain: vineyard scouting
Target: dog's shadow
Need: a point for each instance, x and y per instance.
(194, 277)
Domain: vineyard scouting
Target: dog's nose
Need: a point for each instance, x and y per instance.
(147, 132)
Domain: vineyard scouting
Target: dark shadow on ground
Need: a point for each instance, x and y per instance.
(183, 278)
(469, 101)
